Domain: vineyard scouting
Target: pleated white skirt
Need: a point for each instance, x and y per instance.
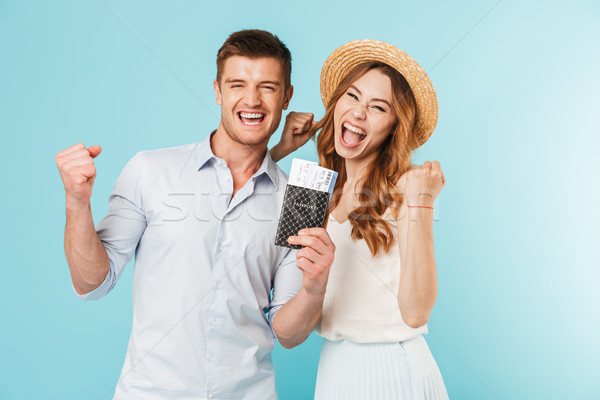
(378, 371)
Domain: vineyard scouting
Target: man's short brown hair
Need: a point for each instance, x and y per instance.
(254, 43)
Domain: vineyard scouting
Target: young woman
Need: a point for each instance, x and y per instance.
(380, 105)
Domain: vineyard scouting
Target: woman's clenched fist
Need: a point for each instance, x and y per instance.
(422, 184)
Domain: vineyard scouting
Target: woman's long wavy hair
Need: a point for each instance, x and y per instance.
(377, 187)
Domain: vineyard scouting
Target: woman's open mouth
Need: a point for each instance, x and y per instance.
(251, 119)
(352, 135)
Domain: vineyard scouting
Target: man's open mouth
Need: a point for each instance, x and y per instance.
(251, 118)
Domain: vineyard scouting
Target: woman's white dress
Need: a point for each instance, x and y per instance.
(369, 353)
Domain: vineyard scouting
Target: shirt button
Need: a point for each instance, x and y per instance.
(212, 359)
(219, 286)
(214, 322)
(227, 178)
(210, 396)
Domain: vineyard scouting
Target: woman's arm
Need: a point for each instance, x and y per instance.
(418, 285)
(417, 290)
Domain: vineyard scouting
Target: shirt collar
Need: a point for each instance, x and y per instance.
(205, 152)
(268, 166)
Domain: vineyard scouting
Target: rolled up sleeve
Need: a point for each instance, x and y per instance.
(123, 226)
(286, 284)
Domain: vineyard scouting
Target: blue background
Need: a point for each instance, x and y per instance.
(517, 82)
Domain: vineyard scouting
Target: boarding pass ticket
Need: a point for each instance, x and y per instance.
(310, 175)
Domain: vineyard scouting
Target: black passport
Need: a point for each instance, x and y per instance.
(302, 208)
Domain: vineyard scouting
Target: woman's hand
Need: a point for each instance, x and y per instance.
(422, 184)
(295, 134)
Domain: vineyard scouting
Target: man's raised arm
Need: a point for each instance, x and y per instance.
(86, 255)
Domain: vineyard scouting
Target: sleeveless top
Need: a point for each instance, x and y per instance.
(361, 303)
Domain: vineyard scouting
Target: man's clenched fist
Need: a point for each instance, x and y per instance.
(296, 130)
(77, 170)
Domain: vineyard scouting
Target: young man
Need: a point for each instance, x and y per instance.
(201, 219)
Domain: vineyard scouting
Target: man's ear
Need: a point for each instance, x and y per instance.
(288, 97)
(217, 92)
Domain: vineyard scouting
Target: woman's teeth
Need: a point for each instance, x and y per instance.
(354, 129)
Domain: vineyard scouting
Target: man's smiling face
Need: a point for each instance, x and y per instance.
(252, 95)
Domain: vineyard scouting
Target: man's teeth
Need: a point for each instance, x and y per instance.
(354, 129)
(251, 115)
(251, 118)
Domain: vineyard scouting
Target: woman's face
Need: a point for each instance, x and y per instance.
(363, 116)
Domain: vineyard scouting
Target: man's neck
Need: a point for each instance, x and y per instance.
(243, 160)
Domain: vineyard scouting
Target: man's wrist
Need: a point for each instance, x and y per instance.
(315, 295)
(77, 206)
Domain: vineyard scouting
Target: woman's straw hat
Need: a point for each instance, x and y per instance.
(351, 54)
